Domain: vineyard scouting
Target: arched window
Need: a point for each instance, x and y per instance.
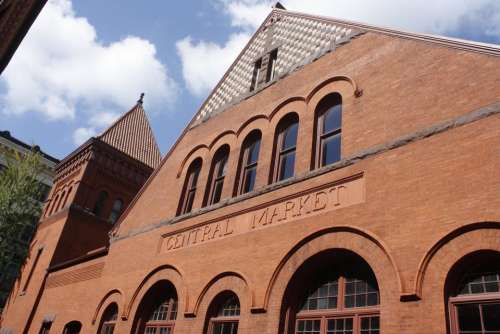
(328, 130)
(108, 320)
(474, 294)
(335, 292)
(157, 311)
(56, 200)
(189, 189)
(217, 175)
(72, 327)
(285, 144)
(247, 171)
(223, 314)
(116, 210)
(100, 203)
(66, 197)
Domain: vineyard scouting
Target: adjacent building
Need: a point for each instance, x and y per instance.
(9, 146)
(16, 17)
(341, 178)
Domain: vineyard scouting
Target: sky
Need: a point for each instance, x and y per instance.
(85, 62)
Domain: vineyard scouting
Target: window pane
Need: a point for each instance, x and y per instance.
(491, 317)
(332, 119)
(253, 152)
(323, 294)
(287, 165)
(339, 326)
(468, 317)
(330, 150)
(357, 295)
(308, 326)
(217, 191)
(150, 330)
(249, 181)
(290, 136)
(370, 325)
(189, 202)
(221, 167)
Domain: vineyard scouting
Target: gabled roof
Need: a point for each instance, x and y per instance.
(132, 135)
(300, 39)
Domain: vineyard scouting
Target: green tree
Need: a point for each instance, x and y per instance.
(20, 191)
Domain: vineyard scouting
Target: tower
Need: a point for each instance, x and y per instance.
(92, 187)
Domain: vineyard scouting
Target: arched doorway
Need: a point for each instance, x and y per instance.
(472, 294)
(157, 311)
(334, 292)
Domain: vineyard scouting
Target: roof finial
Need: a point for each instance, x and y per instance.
(279, 5)
(141, 99)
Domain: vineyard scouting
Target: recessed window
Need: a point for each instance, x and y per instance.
(224, 314)
(45, 329)
(271, 65)
(473, 286)
(328, 130)
(100, 203)
(189, 189)
(108, 320)
(116, 210)
(333, 292)
(73, 327)
(255, 74)
(217, 175)
(285, 147)
(157, 312)
(248, 162)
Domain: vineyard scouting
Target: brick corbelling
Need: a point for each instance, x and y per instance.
(487, 111)
(78, 275)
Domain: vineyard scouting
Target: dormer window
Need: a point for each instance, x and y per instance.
(271, 65)
(255, 75)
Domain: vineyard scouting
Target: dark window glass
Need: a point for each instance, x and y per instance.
(329, 130)
(255, 75)
(271, 65)
(480, 283)
(109, 319)
(73, 327)
(101, 201)
(189, 191)
(491, 317)
(323, 295)
(370, 325)
(218, 174)
(359, 293)
(339, 326)
(116, 210)
(45, 329)
(225, 319)
(308, 326)
(249, 161)
(286, 142)
(469, 317)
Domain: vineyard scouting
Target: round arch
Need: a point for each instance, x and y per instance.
(363, 243)
(113, 296)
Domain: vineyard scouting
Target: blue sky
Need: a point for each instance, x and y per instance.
(85, 62)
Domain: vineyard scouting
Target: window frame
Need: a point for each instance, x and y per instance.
(341, 311)
(169, 322)
(481, 298)
(326, 104)
(284, 124)
(221, 301)
(116, 212)
(190, 186)
(221, 156)
(251, 140)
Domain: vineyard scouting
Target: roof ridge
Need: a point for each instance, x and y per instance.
(210, 107)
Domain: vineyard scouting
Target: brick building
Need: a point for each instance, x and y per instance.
(16, 17)
(340, 178)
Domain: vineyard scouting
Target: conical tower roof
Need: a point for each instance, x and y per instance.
(133, 135)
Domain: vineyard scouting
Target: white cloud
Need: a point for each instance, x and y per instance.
(436, 16)
(204, 63)
(61, 69)
(82, 134)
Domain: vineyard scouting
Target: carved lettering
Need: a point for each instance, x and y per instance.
(302, 203)
(321, 198)
(206, 232)
(227, 230)
(262, 218)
